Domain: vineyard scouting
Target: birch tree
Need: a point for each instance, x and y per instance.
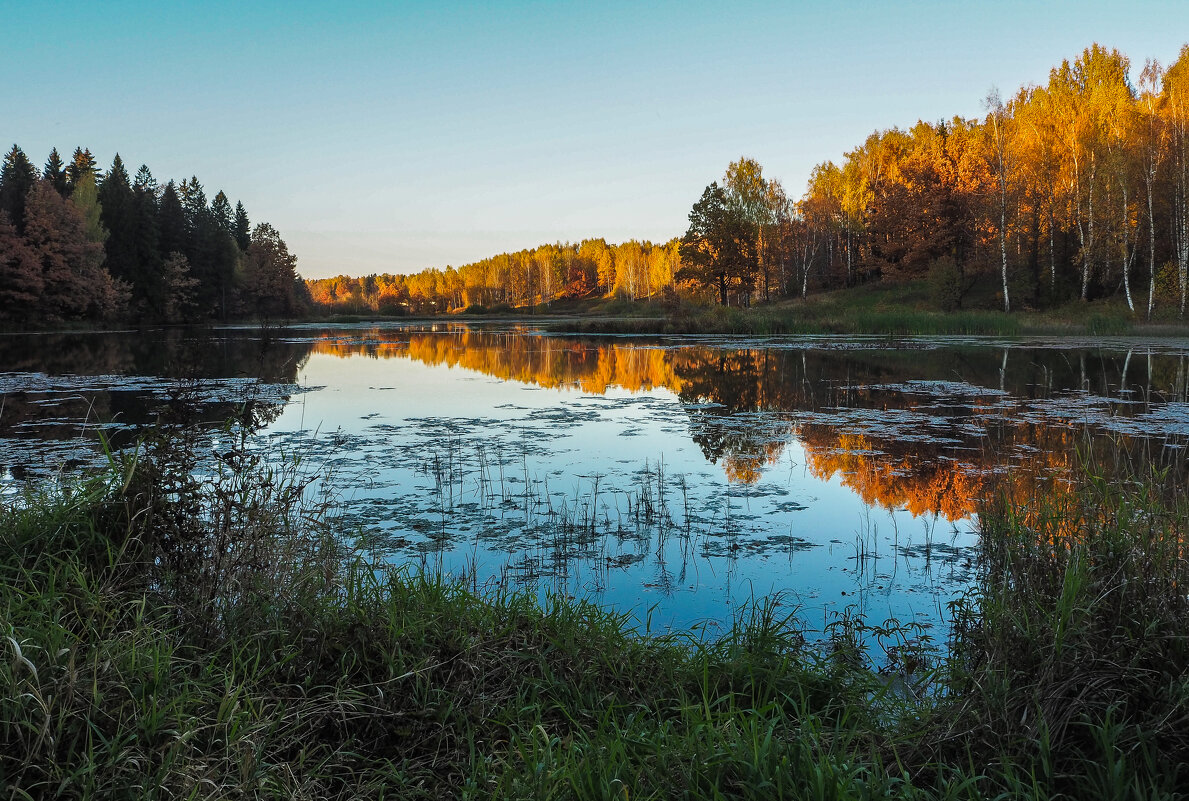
(997, 120)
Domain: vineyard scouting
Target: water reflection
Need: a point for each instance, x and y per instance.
(681, 475)
(919, 426)
(59, 392)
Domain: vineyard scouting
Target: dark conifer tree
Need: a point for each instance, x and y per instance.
(199, 250)
(148, 293)
(210, 250)
(225, 253)
(225, 256)
(719, 246)
(82, 164)
(117, 212)
(55, 173)
(116, 176)
(17, 177)
(193, 199)
(242, 228)
(221, 210)
(171, 219)
(145, 182)
(270, 274)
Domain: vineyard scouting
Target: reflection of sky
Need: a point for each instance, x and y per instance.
(390, 415)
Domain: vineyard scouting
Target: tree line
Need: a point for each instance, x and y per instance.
(80, 244)
(591, 268)
(1075, 189)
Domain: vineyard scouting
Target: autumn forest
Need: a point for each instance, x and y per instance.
(1075, 189)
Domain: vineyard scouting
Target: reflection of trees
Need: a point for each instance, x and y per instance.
(109, 371)
(1023, 461)
(171, 353)
(718, 387)
(922, 483)
(929, 446)
(58, 354)
(929, 478)
(545, 361)
(959, 431)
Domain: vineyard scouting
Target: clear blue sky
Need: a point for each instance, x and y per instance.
(396, 136)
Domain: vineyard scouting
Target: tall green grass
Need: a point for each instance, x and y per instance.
(794, 319)
(890, 309)
(1074, 657)
(172, 637)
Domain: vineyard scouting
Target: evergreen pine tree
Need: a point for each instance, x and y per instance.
(118, 216)
(270, 274)
(55, 172)
(221, 211)
(17, 177)
(149, 296)
(145, 182)
(199, 252)
(193, 200)
(210, 250)
(242, 228)
(225, 254)
(82, 165)
(117, 175)
(171, 222)
(225, 260)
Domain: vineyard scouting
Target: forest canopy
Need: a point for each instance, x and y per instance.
(80, 244)
(591, 268)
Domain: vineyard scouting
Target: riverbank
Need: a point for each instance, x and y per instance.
(892, 309)
(905, 309)
(880, 309)
(166, 636)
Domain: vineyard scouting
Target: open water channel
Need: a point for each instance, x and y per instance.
(673, 477)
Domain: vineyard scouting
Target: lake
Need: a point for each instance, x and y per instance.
(675, 478)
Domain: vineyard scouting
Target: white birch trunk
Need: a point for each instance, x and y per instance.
(1128, 254)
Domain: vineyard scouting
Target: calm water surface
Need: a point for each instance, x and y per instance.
(673, 477)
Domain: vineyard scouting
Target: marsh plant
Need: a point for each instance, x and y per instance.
(216, 518)
(1073, 654)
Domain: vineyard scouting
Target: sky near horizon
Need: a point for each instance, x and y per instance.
(391, 137)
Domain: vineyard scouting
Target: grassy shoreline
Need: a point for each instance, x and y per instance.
(168, 637)
(883, 309)
(895, 310)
